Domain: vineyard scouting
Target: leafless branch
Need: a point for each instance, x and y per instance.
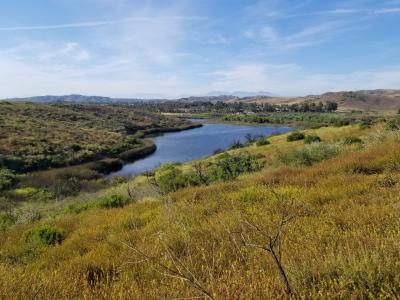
(179, 270)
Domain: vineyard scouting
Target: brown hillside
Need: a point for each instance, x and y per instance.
(371, 100)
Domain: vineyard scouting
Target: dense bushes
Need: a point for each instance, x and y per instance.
(170, 178)
(394, 124)
(262, 141)
(309, 139)
(69, 181)
(6, 220)
(309, 155)
(113, 201)
(228, 167)
(108, 202)
(236, 145)
(47, 235)
(77, 208)
(31, 194)
(7, 179)
(311, 120)
(295, 136)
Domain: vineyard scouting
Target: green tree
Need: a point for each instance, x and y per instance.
(331, 106)
(170, 178)
(7, 179)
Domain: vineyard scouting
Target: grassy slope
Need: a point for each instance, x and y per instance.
(346, 246)
(38, 136)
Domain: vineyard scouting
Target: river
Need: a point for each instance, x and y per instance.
(194, 144)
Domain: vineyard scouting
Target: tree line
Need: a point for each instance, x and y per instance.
(234, 107)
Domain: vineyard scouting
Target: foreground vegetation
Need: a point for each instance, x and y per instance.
(315, 215)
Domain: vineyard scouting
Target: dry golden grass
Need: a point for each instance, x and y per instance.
(346, 245)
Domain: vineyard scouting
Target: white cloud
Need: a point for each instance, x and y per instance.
(138, 54)
(293, 80)
(145, 48)
(306, 36)
(70, 51)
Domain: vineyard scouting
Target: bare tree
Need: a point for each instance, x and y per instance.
(200, 171)
(176, 269)
(151, 179)
(270, 238)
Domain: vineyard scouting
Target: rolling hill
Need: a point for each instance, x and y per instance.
(366, 100)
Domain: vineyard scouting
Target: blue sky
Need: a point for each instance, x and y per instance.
(130, 48)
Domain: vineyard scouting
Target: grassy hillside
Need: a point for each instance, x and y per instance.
(51, 151)
(321, 219)
(40, 136)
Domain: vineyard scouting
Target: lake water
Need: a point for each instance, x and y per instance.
(194, 144)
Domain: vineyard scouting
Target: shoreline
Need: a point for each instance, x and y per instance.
(104, 166)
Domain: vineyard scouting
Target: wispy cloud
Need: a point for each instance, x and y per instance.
(293, 80)
(138, 53)
(394, 10)
(338, 12)
(103, 23)
(169, 48)
(306, 36)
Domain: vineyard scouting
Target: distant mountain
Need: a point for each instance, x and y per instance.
(240, 94)
(222, 98)
(65, 98)
(99, 99)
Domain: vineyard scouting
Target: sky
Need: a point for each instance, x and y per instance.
(153, 49)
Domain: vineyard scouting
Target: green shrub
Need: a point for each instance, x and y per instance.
(366, 122)
(78, 208)
(7, 179)
(262, 141)
(295, 136)
(309, 139)
(350, 140)
(6, 220)
(113, 201)
(393, 124)
(228, 167)
(236, 145)
(217, 151)
(46, 235)
(309, 155)
(32, 194)
(169, 178)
